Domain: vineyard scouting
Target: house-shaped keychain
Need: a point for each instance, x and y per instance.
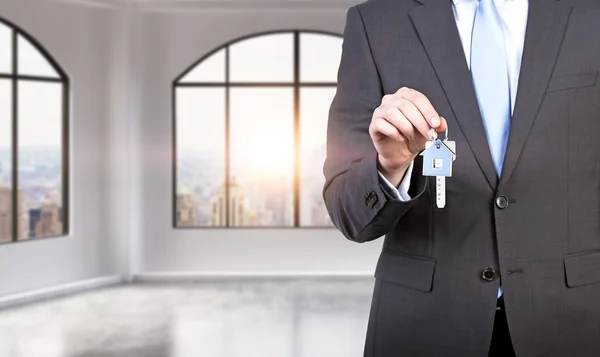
(438, 157)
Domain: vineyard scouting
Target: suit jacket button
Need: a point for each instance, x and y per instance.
(371, 199)
(501, 202)
(488, 274)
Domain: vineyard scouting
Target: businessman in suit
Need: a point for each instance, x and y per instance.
(511, 265)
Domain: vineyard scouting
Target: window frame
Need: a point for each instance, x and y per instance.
(296, 84)
(15, 78)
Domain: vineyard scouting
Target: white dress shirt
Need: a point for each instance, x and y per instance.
(514, 22)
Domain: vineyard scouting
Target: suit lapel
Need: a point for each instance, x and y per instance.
(546, 28)
(436, 26)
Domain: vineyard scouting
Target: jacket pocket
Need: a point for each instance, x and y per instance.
(572, 81)
(582, 268)
(414, 272)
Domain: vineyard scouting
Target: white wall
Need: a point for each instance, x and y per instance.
(76, 37)
(124, 163)
(172, 39)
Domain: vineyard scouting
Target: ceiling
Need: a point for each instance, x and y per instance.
(220, 4)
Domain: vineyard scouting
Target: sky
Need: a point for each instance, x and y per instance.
(270, 58)
(5, 49)
(261, 118)
(40, 113)
(39, 103)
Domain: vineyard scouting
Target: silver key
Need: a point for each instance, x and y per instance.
(438, 157)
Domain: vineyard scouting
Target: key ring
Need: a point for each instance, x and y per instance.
(445, 133)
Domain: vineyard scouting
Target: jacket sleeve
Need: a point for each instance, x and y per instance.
(354, 195)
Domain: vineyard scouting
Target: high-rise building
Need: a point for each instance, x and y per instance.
(35, 215)
(186, 213)
(6, 218)
(49, 223)
(278, 196)
(5, 214)
(238, 206)
(55, 198)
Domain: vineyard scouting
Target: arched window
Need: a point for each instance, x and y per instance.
(33, 139)
(250, 122)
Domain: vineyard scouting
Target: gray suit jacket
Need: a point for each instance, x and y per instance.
(537, 227)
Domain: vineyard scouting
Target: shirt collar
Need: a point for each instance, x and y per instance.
(457, 1)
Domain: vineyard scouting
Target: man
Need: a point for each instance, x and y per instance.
(511, 265)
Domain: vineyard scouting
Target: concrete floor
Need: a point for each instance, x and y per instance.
(321, 318)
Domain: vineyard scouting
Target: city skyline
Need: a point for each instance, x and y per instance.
(200, 189)
(40, 210)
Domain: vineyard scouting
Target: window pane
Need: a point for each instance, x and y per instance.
(5, 49)
(262, 156)
(5, 161)
(200, 157)
(31, 62)
(320, 57)
(211, 69)
(40, 120)
(267, 58)
(314, 109)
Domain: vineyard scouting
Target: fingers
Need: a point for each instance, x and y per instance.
(422, 103)
(394, 116)
(407, 114)
(413, 115)
(380, 125)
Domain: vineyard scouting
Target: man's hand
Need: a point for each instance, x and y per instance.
(400, 127)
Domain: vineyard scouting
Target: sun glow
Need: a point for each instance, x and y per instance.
(262, 132)
(272, 157)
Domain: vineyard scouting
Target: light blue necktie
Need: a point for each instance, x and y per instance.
(490, 77)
